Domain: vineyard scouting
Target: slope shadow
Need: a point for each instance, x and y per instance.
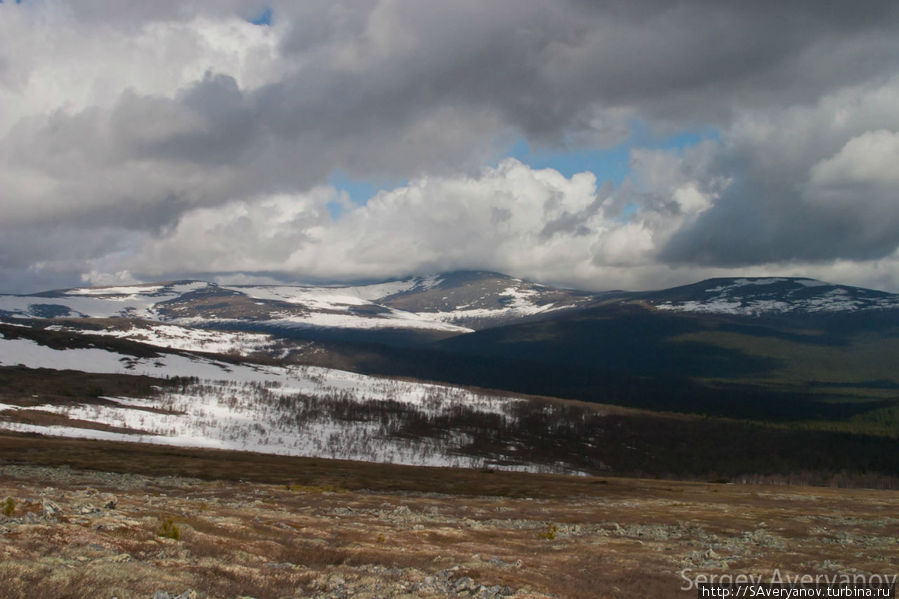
(623, 338)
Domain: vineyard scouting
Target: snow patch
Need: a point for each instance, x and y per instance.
(187, 338)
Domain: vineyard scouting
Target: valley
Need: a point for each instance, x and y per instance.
(531, 378)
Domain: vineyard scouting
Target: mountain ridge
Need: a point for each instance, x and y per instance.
(449, 302)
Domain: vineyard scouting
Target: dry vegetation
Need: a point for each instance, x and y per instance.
(222, 524)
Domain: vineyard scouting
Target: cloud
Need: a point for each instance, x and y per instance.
(867, 159)
(130, 131)
(495, 219)
(805, 183)
(509, 218)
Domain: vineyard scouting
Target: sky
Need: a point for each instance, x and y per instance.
(601, 144)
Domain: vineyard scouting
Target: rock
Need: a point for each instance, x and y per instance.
(402, 512)
(50, 509)
(110, 501)
(121, 558)
(189, 594)
(500, 563)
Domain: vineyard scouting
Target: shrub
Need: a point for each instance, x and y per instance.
(169, 530)
(9, 506)
(548, 532)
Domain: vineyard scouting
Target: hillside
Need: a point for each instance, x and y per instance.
(73, 385)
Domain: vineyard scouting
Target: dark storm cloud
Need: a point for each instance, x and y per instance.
(376, 75)
(548, 67)
(809, 184)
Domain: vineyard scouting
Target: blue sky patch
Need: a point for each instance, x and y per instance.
(607, 165)
(359, 190)
(335, 208)
(610, 164)
(263, 18)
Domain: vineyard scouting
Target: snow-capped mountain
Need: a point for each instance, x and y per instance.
(179, 314)
(758, 296)
(448, 303)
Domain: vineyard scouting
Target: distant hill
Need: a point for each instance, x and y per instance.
(787, 349)
(449, 303)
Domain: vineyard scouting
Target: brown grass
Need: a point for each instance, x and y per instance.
(275, 527)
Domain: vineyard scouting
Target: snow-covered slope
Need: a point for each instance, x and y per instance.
(136, 301)
(295, 410)
(771, 296)
(447, 304)
(187, 338)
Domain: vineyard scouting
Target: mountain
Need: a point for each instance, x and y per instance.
(766, 296)
(441, 305)
(470, 368)
(452, 303)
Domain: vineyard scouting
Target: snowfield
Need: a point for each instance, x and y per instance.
(296, 410)
(186, 338)
(137, 301)
(334, 296)
(520, 303)
(395, 319)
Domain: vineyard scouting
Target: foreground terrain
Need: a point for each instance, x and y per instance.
(100, 519)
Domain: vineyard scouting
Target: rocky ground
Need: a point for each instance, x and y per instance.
(84, 533)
